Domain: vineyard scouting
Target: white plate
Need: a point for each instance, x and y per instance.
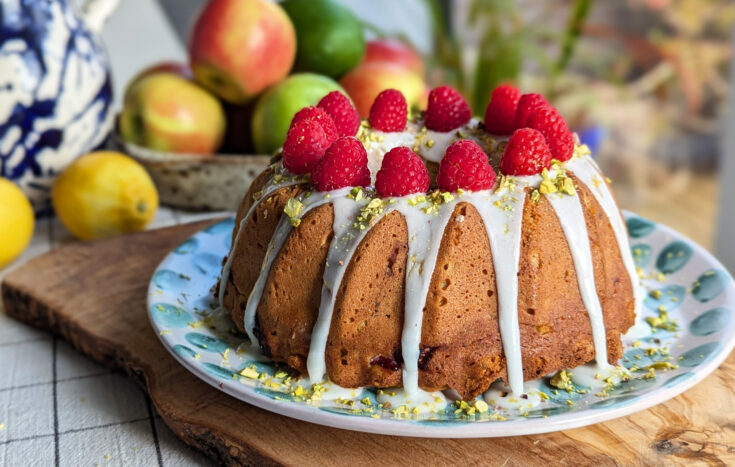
(696, 291)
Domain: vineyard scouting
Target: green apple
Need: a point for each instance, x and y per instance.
(277, 106)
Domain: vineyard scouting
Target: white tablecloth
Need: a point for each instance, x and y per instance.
(59, 408)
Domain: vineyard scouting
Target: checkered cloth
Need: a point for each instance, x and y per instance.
(59, 408)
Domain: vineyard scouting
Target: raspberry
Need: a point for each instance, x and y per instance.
(501, 111)
(465, 166)
(447, 109)
(402, 173)
(305, 144)
(389, 111)
(552, 125)
(344, 164)
(315, 113)
(345, 116)
(526, 153)
(527, 104)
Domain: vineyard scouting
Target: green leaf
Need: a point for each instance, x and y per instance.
(579, 14)
(500, 60)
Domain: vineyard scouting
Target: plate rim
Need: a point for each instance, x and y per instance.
(459, 429)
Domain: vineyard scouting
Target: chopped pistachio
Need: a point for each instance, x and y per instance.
(563, 380)
(292, 210)
(661, 365)
(566, 185)
(356, 193)
(662, 322)
(506, 182)
(547, 187)
(581, 150)
(249, 372)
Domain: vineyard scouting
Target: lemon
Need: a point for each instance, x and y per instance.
(103, 194)
(16, 222)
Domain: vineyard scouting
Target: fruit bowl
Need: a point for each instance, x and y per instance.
(198, 181)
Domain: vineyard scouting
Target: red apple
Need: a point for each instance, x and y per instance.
(394, 51)
(178, 68)
(364, 83)
(240, 47)
(166, 112)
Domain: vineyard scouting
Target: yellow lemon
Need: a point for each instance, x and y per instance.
(16, 222)
(103, 194)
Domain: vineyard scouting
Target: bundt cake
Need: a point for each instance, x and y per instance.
(399, 258)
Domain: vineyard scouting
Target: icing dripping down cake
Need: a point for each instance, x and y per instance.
(501, 254)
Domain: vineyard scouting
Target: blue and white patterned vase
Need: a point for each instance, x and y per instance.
(55, 89)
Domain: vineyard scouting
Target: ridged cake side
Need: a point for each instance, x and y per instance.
(461, 346)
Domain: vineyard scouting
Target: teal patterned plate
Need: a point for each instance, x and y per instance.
(689, 305)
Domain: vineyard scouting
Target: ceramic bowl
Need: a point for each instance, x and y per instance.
(198, 181)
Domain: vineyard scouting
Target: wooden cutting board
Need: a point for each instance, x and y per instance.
(94, 294)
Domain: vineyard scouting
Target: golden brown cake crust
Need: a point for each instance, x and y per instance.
(290, 303)
(363, 347)
(461, 346)
(248, 255)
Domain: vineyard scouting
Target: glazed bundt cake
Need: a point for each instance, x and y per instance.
(388, 253)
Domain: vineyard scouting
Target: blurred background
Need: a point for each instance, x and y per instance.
(645, 83)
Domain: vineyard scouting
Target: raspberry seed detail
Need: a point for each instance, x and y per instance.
(344, 164)
(389, 112)
(401, 173)
(343, 113)
(465, 166)
(447, 109)
(321, 117)
(500, 113)
(526, 153)
(305, 144)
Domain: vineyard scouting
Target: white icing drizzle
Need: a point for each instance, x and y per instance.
(267, 191)
(283, 229)
(333, 391)
(344, 243)
(424, 239)
(440, 141)
(592, 376)
(589, 173)
(500, 396)
(420, 402)
(502, 215)
(503, 225)
(571, 217)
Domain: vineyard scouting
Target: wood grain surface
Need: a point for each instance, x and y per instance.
(94, 294)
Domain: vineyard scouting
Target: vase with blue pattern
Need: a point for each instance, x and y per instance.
(55, 89)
